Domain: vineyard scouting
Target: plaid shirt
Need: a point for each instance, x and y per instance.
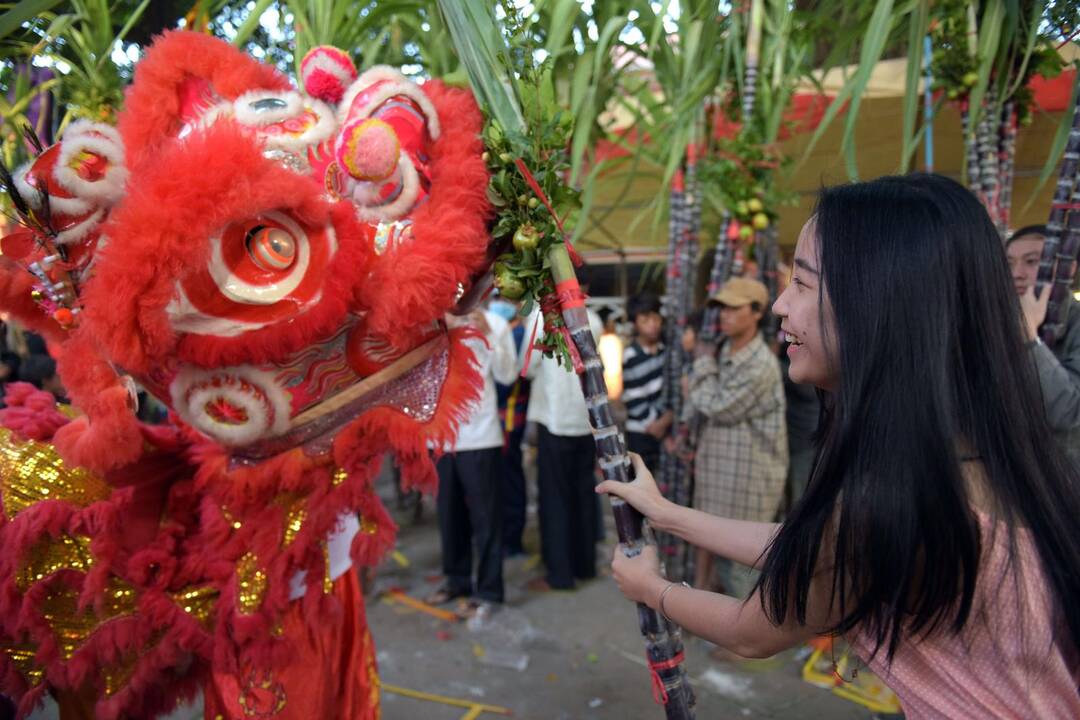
(742, 453)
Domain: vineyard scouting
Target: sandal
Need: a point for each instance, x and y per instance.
(444, 595)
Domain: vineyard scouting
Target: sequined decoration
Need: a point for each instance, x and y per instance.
(22, 658)
(339, 476)
(261, 697)
(198, 602)
(368, 526)
(416, 393)
(252, 584)
(50, 555)
(294, 520)
(71, 628)
(31, 472)
(327, 582)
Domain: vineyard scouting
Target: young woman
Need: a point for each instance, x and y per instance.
(938, 533)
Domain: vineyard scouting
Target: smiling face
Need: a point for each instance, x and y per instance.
(1024, 254)
(807, 317)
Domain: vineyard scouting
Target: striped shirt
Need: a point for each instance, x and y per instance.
(643, 382)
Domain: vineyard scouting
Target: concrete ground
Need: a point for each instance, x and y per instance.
(584, 655)
(547, 656)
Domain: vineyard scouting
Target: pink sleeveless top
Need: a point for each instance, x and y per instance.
(1013, 659)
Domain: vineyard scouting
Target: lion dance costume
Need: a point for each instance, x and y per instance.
(274, 266)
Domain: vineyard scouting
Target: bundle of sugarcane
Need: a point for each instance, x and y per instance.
(1006, 165)
(987, 140)
(528, 147)
(668, 473)
(753, 46)
(971, 148)
(1056, 267)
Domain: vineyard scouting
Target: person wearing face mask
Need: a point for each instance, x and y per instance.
(1058, 366)
(937, 534)
(742, 456)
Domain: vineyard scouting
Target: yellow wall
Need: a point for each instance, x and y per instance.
(877, 152)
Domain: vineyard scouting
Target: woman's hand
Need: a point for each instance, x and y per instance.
(638, 577)
(642, 493)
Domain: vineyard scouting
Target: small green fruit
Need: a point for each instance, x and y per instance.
(746, 232)
(509, 286)
(755, 205)
(970, 79)
(526, 238)
(761, 221)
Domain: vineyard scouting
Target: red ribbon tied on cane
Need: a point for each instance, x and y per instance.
(659, 692)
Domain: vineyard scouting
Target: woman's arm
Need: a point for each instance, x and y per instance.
(742, 627)
(739, 540)
(743, 541)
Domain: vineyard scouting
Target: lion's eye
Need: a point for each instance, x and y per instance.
(268, 104)
(271, 248)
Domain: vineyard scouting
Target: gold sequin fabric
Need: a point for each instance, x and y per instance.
(32, 472)
(251, 584)
(51, 555)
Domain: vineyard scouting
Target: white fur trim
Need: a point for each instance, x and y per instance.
(186, 318)
(77, 232)
(208, 118)
(398, 85)
(63, 206)
(101, 140)
(239, 291)
(402, 204)
(323, 130)
(267, 409)
(247, 116)
(328, 63)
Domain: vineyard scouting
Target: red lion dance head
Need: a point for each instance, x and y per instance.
(274, 266)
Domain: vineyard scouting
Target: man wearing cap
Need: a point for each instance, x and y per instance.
(742, 453)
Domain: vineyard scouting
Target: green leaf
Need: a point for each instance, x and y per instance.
(873, 44)
(919, 25)
(1057, 147)
(251, 22)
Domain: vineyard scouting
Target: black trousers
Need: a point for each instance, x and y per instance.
(470, 505)
(568, 507)
(514, 496)
(646, 446)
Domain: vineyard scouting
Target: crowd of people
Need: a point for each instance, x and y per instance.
(897, 467)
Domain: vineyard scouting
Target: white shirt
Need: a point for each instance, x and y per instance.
(555, 397)
(497, 362)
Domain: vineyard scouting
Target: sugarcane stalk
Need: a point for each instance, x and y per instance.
(753, 50)
(928, 106)
(971, 150)
(671, 473)
(1070, 164)
(1006, 165)
(1065, 271)
(988, 157)
(663, 639)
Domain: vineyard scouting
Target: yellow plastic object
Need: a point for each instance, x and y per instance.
(474, 708)
(862, 687)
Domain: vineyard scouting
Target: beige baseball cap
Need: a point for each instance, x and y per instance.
(740, 291)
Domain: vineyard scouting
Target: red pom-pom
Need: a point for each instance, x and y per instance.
(325, 72)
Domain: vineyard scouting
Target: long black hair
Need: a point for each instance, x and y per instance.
(933, 367)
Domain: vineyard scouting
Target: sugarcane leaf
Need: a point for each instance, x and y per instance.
(251, 22)
(917, 29)
(559, 27)
(873, 44)
(990, 34)
(1057, 147)
(133, 18)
